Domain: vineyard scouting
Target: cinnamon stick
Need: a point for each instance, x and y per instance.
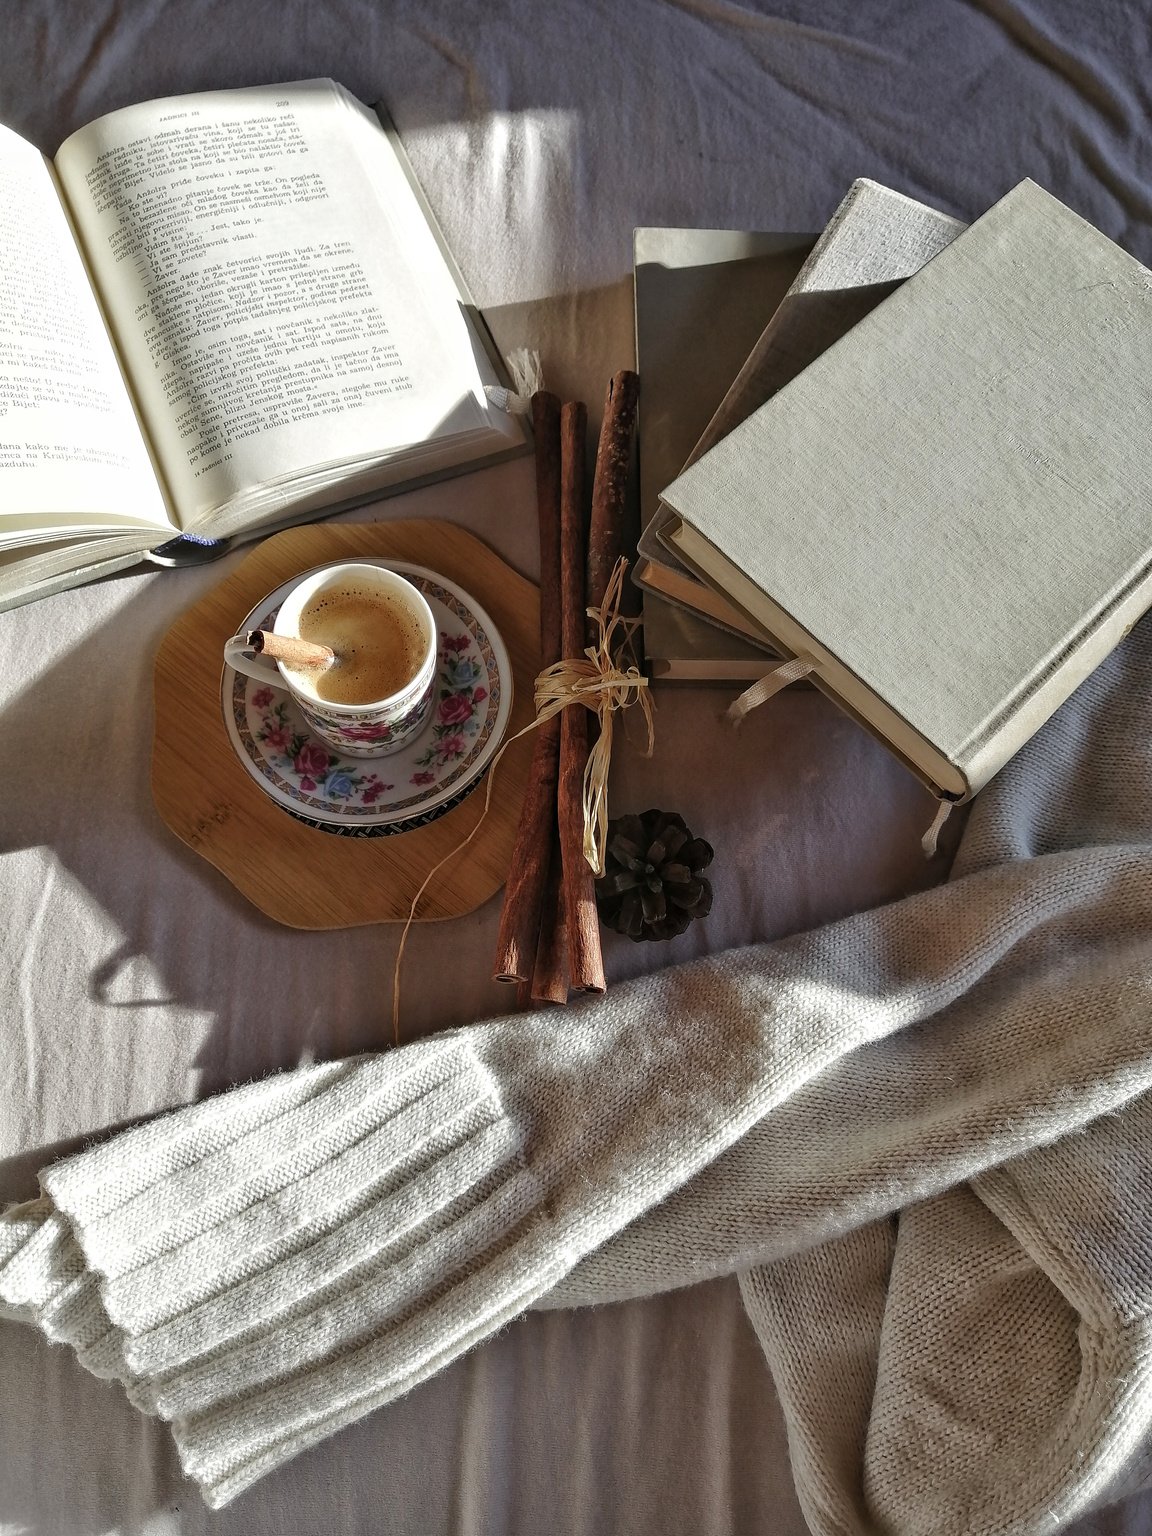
(518, 938)
(289, 649)
(550, 977)
(585, 961)
(610, 486)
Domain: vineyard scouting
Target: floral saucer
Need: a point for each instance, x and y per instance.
(374, 797)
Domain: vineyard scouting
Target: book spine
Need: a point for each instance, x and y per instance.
(722, 616)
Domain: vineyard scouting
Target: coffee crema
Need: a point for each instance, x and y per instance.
(378, 640)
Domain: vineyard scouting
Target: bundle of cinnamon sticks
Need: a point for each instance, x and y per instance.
(549, 939)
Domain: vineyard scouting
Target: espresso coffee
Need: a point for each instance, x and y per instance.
(378, 640)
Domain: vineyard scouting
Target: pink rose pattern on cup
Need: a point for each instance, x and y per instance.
(317, 769)
(456, 720)
(359, 736)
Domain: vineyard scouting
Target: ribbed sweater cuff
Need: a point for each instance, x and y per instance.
(45, 1281)
(282, 1259)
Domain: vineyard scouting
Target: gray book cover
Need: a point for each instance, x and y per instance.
(702, 298)
(874, 241)
(876, 238)
(950, 502)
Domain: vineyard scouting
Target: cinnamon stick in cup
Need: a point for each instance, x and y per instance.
(524, 895)
(585, 960)
(291, 651)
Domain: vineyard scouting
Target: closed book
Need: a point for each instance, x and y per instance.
(876, 238)
(702, 298)
(945, 514)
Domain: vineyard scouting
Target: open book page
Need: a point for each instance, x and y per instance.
(280, 305)
(72, 458)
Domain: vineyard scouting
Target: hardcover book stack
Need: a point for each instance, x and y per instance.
(925, 488)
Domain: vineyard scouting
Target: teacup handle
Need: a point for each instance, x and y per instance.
(241, 657)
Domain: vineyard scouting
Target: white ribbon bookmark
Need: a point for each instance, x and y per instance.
(929, 840)
(791, 672)
(507, 400)
(772, 682)
(527, 377)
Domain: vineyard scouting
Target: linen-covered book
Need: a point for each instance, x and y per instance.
(945, 514)
(875, 239)
(702, 298)
(219, 313)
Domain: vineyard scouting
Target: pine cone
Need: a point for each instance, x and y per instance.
(652, 887)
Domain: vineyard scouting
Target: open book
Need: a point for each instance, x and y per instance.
(220, 313)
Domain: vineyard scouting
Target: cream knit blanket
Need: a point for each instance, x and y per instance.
(922, 1137)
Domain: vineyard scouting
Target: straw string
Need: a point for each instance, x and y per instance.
(599, 682)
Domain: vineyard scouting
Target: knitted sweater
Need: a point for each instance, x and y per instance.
(922, 1136)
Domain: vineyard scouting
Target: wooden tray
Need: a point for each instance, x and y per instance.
(296, 874)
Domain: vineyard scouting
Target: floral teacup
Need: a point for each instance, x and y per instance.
(368, 728)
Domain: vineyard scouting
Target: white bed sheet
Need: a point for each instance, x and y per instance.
(134, 978)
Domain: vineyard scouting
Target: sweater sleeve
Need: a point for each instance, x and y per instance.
(45, 1280)
(269, 1265)
(279, 1260)
(998, 1060)
(273, 1263)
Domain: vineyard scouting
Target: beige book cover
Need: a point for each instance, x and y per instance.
(876, 238)
(947, 511)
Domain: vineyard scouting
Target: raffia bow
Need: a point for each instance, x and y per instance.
(599, 682)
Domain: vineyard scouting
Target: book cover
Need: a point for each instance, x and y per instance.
(946, 510)
(702, 298)
(876, 238)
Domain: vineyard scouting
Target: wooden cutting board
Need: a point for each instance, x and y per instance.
(296, 874)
